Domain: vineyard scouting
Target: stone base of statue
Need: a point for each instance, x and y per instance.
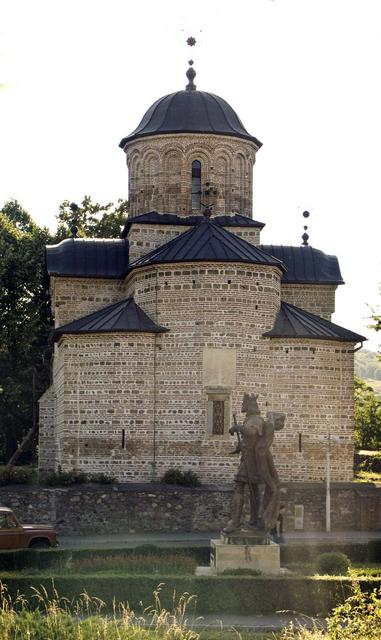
(243, 549)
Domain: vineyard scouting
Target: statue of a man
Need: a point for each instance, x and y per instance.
(256, 466)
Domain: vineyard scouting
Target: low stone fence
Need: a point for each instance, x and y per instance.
(91, 509)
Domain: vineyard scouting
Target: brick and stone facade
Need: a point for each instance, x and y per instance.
(160, 172)
(135, 402)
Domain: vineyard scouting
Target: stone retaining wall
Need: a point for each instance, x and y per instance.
(100, 509)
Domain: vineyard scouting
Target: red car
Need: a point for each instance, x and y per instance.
(14, 535)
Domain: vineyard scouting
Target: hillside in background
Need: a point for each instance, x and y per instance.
(368, 367)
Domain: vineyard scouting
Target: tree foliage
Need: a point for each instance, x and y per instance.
(367, 416)
(25, 322)
(91, 219)
(25, 306)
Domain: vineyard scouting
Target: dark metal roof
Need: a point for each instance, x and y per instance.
(207, 242)
(190, 112)
(121, 316)
(306, 265)
(80, 257)
(292, 322)
(154, 217)
(109, 258)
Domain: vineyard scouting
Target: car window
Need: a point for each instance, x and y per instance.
(11, 521)
(8, 521)
(3, 521)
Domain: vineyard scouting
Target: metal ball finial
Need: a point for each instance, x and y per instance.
(73, 223)
(305, 236)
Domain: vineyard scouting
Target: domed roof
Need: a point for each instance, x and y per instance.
(190, 111)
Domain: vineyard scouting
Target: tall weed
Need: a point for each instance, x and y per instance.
(83, 618)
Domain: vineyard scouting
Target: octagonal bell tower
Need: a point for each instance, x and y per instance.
(190, 149)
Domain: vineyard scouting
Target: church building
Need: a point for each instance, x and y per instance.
(159, 333)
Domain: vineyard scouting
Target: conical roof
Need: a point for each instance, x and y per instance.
(292, 322)
(123, 316)
(207, 242)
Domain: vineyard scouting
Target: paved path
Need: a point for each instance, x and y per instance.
(201, 539)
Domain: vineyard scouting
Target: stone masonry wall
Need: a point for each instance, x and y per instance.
(313, 384)
(106, 416)
(73, 298)
(47, 446)
(317, 299)
(250, 234)
(160, 172)
(143, 238)
(221, 312)
(97, 509)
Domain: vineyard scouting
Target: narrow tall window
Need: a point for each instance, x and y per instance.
(196, 184)
(218, 417)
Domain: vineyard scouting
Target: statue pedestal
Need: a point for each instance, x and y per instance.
(243, 550)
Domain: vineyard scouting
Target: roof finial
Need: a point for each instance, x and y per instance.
(74, 221)
(191, 74)
(305, 235)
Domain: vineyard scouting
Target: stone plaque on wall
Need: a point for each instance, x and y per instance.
(219, 368)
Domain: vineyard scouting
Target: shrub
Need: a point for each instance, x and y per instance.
(297, 553)
(17, 475)
(184, 478)
(102, 478)
(135, 564)
(25, 559)
(333, 563)
(374, 550)
(63, 478)
(236, 594)
(358, 617)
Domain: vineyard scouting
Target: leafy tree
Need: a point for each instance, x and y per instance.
(25, 323)
(91, 219)
(25, 307)
(367, 416)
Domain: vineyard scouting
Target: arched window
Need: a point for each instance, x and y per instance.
(196, 184)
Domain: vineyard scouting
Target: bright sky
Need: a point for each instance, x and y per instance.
(303, 75)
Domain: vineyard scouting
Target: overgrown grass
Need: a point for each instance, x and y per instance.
(83, 618)
(52, 617)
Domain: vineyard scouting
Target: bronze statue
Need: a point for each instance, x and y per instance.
(256, 467)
